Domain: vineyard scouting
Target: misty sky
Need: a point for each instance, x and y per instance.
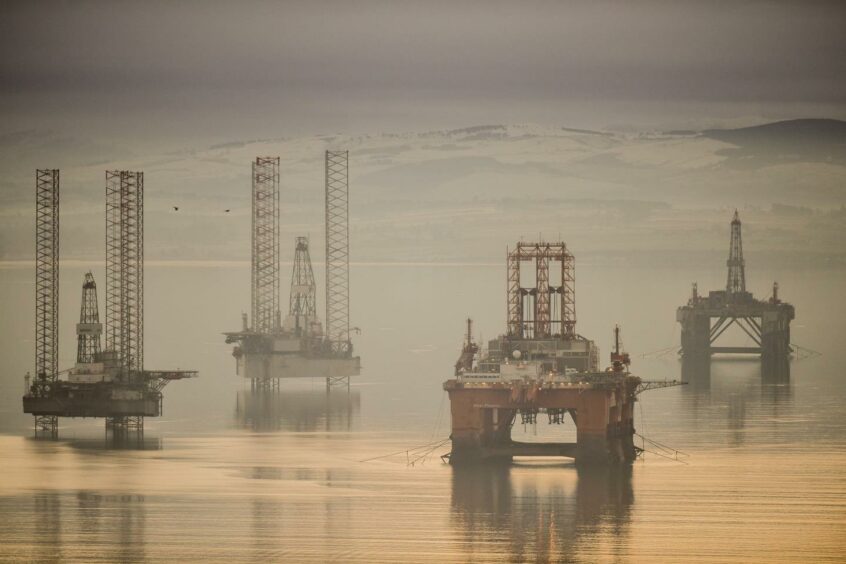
(181, 71)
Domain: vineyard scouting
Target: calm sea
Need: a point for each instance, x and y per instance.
(760, 472)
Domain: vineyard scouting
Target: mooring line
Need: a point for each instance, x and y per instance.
(665, 448)
(423, 457)
(666, 456)
(407, 450)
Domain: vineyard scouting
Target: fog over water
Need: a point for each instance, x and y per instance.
(630, 131)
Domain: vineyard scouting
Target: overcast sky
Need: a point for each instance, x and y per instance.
(175, 72)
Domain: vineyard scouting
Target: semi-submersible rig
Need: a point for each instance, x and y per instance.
(110, 381)
(268, 348)
(765, 322)
(541, 365)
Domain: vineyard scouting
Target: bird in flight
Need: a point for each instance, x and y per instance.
(225, 211)
(175, 208)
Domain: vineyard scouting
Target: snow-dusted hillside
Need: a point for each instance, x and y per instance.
(457, 195)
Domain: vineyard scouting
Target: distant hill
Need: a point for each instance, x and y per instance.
(818, 140)
(461, 194)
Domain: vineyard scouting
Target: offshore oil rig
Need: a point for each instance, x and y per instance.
(541, 365)
(109, 381)
(267, 348)
(765, 322)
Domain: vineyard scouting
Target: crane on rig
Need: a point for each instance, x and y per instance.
(620, 360)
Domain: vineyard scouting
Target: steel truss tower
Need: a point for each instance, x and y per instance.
(265, 245)
(88, 329)
(46, 288)
(537, 302)
(303, 300)
(736, 283)
(338, 252)
(125, 271)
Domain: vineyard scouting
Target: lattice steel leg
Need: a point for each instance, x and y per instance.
(121, 425)
(337, 252)
(47, 425)
(335, 381)
(265, 245)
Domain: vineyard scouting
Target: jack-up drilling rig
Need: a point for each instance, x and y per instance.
(111, 382)
(542, 365)
(268, 349)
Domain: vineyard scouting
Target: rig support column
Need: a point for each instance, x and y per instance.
(46, 290)
(125, 270)
(338, 259)
(265, 245)
(775, 334)
(695, 334)
(604, 427)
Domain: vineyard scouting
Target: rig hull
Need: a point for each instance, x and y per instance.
(95, 400)
(93, 407)
(269, 365)
(262, 358)
(484, 412)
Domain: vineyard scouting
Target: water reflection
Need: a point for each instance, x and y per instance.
(775, 370)
(47, 530)
(697, 371)
(110, 441)
(126, 441)
(544, 512)
(102, 527)
(746, 393)
(267, 521)
(130, 543)
(299, 410)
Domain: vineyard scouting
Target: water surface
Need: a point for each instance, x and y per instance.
(302, 476)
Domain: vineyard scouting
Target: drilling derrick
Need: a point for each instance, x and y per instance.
(765, 323)
(265, 248)
(110, 383)
(88, 330)
(736, 283)
(544, 310)
(303, 299)
(46, 289)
